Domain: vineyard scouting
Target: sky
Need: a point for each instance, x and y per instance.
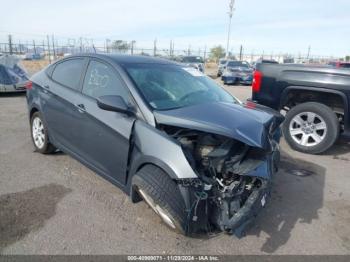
(269, 26)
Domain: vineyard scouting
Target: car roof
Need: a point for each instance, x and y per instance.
(128, 59)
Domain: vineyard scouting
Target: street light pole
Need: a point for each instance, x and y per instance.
(230, 13)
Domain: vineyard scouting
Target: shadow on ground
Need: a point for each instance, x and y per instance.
(23, 212)
(296, 198)
(14, 94)
(341, 147)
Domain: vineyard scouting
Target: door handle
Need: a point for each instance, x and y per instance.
(46, 89)
(81, 108)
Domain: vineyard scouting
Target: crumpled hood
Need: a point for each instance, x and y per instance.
(249, 123)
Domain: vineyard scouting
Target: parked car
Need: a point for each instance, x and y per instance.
(237, 72)
(338, 64)
(316, 99)
(264, 61)
(162, 132)
(13, 78)
(221, 66)
(196, 62)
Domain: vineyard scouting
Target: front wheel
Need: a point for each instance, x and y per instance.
(162, 194)
(311, 128)
(39, 135)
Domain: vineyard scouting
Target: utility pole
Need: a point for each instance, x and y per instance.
(81, 44)
(48, 48)
(230, 14)
(34, 47)
(53, 47)
(10, 44)
(308, 52)
(132, 46)
(241, 53)
(155, 47)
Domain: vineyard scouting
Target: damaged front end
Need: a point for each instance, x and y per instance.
(233, 180)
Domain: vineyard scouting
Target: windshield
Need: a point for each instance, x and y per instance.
(167, 87)
(222, 62)
(192, 59)
(237, 64)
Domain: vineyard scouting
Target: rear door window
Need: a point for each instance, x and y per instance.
(68, 73)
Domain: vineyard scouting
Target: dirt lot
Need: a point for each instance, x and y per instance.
(51, 204)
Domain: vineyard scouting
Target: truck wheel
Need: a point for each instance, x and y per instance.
(162, 194)
(39, 134)
(311, 128)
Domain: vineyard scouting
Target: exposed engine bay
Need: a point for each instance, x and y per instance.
(233, 180)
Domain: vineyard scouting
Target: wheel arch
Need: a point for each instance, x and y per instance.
(32, 111)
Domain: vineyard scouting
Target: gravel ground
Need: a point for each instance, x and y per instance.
(51, 204)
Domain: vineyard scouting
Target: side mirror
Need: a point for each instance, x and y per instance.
(115, 104)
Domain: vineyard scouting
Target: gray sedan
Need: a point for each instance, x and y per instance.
(163, 133)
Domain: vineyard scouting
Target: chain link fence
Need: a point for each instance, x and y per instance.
(50, 49)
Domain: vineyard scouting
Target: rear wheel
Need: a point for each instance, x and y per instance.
(39, 135)
(162, 194)
(311, 127)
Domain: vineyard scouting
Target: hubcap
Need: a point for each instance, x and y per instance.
(166, 217)
(38, 133)
(308, 129)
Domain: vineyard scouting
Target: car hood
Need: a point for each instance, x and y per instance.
(249, 123)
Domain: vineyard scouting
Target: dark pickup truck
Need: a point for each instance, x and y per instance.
(315, 98)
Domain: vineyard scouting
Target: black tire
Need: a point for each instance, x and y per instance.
(47, 147)
(164, 192)
(330, 119)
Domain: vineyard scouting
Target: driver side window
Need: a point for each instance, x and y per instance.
(102, 80)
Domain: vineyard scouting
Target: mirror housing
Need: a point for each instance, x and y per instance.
(114, 103)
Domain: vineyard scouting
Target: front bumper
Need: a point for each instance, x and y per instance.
(230, 79)
(239, 222)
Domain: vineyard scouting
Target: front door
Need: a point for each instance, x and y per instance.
(104, 135)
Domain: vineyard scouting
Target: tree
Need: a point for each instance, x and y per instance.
(347, 58)
(120, 46)
(217, 52)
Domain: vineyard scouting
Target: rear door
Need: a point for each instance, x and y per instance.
(104, 135)
(60, 107)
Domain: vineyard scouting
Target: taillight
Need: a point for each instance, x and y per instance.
(29, 85)
(256, 84)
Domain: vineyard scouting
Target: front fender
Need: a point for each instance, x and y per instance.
(152, 146)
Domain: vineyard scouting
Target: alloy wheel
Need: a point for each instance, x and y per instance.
(165, 216)
(308, 129)
(38, 132)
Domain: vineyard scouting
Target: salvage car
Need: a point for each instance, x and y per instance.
(162, 132)
(237, 72)
(13, 77)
